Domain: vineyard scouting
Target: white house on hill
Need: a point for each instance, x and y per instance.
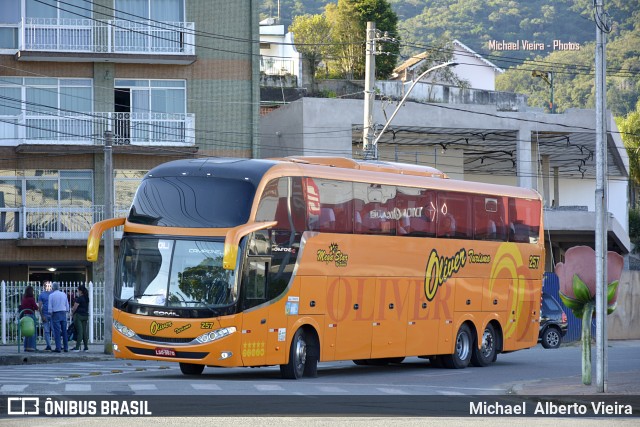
(472, 67)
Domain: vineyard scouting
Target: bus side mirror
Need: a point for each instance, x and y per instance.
(232, 241)
(95, 235)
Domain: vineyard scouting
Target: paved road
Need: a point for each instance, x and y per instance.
(545, 371)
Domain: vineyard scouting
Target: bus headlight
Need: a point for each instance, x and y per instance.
(123, 329)
(215, 335)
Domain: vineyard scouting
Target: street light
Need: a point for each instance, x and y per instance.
(547, 76)
(404, 98)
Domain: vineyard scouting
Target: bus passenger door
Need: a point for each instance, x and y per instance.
(390, 322)
(254, 317)
(354, 315)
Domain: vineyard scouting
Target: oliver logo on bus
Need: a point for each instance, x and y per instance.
(439, 269)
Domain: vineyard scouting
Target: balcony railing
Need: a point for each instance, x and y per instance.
(53, 223)
(128, 128)
(113, 36)
(276, 67)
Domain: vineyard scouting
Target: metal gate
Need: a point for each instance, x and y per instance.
(11, 295)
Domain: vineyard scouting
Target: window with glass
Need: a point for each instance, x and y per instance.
(9, 24)
(58, 25)
(150, 110)
(55, 109)
(53, 188)
(524, 220)
(149, 25)
(125, 184)
(174, 273)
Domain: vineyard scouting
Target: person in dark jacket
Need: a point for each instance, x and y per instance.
(80, 312)
(29, 303)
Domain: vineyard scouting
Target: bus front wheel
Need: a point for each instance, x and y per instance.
(487, 353)
(302, 357)
(191, 368)
(462, 350)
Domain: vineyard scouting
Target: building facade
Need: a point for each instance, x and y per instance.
(491, 138)
(166, 79)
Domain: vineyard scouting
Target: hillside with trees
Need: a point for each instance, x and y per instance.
(424, 25)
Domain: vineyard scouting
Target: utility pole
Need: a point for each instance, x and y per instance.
(109, 274)
(369, 149)
(601, 225)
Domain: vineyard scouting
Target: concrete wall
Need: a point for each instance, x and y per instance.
(624, 323)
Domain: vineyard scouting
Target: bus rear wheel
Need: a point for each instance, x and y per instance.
(191, 368)
(486, 354)
(462, 351)
(302, 357)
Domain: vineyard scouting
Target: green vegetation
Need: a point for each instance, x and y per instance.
(337, 37)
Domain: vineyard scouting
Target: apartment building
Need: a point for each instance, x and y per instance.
(167, 78)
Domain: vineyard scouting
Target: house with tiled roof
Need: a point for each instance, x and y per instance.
(472, 68)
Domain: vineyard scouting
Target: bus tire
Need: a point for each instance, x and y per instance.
(486, 354)
(191, 368)
(296, 366)
(462, 351)
(436, 362)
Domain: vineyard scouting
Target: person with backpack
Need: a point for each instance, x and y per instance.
(29, 304)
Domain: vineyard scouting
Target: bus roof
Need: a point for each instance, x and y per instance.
(333, 168)
(370, 165)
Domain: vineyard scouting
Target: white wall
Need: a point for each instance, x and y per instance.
(478, 73)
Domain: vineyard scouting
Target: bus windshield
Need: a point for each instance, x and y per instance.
(174, 273)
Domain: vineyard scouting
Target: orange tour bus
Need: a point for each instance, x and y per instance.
(295, 261)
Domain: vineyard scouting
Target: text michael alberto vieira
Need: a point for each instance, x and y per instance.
(549, 408)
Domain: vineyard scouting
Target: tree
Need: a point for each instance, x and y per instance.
(311, 35)
(629, 128)
(348, 20)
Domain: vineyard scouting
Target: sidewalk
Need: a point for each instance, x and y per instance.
(618, 383)
(10, 355)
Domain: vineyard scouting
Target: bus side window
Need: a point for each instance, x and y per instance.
(524, 217)
(454, 220)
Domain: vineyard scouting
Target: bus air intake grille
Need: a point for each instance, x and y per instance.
(168, 340)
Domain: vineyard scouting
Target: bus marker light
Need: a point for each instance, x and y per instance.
(225, 355)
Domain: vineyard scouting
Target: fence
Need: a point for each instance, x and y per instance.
(11, 295)
(551, 285)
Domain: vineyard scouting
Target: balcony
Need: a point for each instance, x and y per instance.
(75, 40)
(37, 226)
(145, 129)
(276, 67)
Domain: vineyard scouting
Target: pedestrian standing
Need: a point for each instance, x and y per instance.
(80, 312)
(58, 309)
(43, 306)
(29, 304)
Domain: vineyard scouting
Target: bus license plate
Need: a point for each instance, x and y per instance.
(169, 352)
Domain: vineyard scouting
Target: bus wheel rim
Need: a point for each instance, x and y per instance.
(301, 352)
(462, 346)
(487, 344)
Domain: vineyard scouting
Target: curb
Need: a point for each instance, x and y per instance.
(29, 359)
